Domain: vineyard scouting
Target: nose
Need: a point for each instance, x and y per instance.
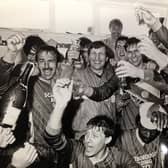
(46, 65)
(97, 57)
(87, 138)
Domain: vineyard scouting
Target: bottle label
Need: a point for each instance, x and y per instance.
(11, 116)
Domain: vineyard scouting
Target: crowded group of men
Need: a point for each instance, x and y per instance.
(102, 105)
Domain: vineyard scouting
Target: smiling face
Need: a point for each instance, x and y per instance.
(115, 31)
(95, 142)
(97, 59)
(134, 56)
(147, 135)
(47, 64)
(120, 50)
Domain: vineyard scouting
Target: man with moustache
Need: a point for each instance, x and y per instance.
(41, 99)
(40, 96)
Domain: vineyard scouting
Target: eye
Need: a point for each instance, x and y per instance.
(41, 61)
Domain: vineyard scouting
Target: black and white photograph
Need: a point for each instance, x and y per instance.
(84, 84)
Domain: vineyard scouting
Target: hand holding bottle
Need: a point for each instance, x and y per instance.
(6, 137)
(15, 99)
(144, 16)
(24, 156)
(73, 52)
(126, 69)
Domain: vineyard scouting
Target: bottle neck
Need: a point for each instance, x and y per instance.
(25, 75)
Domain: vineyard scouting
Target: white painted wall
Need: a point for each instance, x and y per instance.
(75, 16)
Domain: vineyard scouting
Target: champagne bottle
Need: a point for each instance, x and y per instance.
(123, 83)
(15, 98)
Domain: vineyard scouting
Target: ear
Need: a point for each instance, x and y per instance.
(108, 140)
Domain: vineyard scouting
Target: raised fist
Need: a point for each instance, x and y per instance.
(15, 42)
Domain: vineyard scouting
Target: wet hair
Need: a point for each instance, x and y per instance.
(135, 41)
(121, 38)
(116, 22)
(48, 49)
(32, 42)
(104, 122)
(100, 44)
(131, 41)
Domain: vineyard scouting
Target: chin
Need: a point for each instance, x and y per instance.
(47, 78)
(89, 154)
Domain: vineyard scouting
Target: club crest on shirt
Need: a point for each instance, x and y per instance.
(146, 161)
(50, 97)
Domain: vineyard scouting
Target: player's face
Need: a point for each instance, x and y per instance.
(120, 50)
(115, 31)
(97, 58)
(94, 142)
(147, 135)
(47, 64)
(134, 56)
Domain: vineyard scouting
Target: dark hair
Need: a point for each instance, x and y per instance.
(131, 41)
(32, 41)
(99, 44)
(134, 41)
(47, 49)
(105, 122)
(121, 38)
(84, 42)
(116, 22)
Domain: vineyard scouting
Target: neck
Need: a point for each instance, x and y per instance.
(99, 156)
(45, 80)
(139, 138)
(98, 72)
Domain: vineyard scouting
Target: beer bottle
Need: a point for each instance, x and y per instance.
(15, 98)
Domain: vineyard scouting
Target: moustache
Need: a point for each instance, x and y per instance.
(47, 69)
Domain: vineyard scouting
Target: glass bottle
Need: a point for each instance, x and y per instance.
(15, 98)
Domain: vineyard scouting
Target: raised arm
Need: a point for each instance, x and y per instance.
(62, 93)
(154, 23)
(7, 62)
